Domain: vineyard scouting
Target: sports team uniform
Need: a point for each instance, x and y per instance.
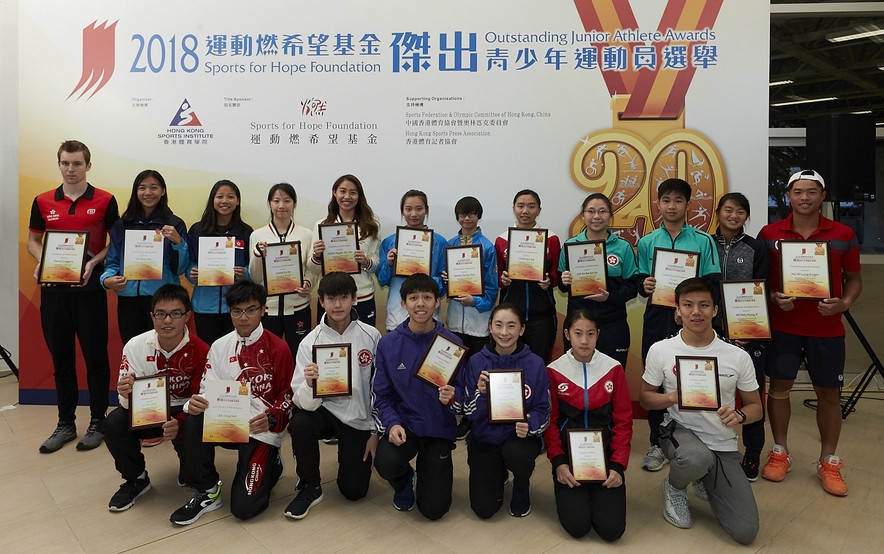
(396, 314)
(697, 443)
(493, 449)
(622, 287)
(470, 323)
(264, 360)
(539, 305)
(346, 417)
(400, 398)
(65, 311)
(589, 395)
(287, 316)
(143, 356)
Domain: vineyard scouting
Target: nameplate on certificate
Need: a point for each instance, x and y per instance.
(341, 243)
(335, 364)
(215, 261)
(149, 402)
(506, 396)
(465, 272)
(227, 417)
(441, 361)
(587, 455)
(670, 268)
(526, 254)
(698, 387)
(143, 255)
(414, 251)
(588, 263)
(745, 313)
(64, 257)
(806, 272)
(283, 269)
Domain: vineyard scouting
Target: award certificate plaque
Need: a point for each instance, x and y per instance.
(143, 255)
(746, 315)
(588, 263)
(335, 364)
(227, 417)
(465, 274)
(506, 396)
(698, 387)
(806, 273)
(149, 402)
(63, 258)
(586, 451)
(341, 243)
(215, 260)
(669, 268)
(441, 361)
(283, 270)
(414, 251)
(526, 254)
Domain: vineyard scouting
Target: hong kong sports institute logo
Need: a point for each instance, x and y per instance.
(185, 116)
(98, 58)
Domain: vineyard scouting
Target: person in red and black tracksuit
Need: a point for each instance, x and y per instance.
(67, 311)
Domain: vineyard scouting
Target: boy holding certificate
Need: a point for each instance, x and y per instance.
(347, 417)
(702, 443)
(810, 328)
(259, 364)
(168, 350)
(674, 202)
(412, 417)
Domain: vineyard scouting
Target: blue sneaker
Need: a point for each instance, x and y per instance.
(403, 500)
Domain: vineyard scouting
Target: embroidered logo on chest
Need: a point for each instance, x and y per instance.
(364, 357)
(609, 386)
(613, 260)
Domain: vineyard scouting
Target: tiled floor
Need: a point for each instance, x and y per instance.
(59, 501)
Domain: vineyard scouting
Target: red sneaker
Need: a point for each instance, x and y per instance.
(829, 472)
(779, 463)
(151, 442)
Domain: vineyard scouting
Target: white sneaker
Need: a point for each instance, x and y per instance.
(654, 459)
(675, 506)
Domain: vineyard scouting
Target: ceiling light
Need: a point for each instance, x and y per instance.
(861, 112)
(788, 81)
(804, 101)
(859, 31)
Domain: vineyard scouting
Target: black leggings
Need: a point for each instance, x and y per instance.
(591, 506)
(489, 464)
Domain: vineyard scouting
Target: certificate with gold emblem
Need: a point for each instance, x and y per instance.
(149, 402)
(670, 268)
(143, 255)
(414, 251)
(526, 254)
(698, 387)
(745, 314)
(283, 270)
(335, 364)
(588, 263)
(441, 361)
(464, 267)
(506, 396)
(227, 417)
(215, 261)
(806, 273)
(586, 452)
(63, 258)
(341, 243)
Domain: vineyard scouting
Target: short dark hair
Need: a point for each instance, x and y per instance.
(580, 313)
(419, 282)
(468, 205)
(243, 291)
(694, 284)
(675, 186)
(337, 283)
(171, 291)
(529, 192)
(285, 188)
(72, 146)
(510, 307)
(737, 198)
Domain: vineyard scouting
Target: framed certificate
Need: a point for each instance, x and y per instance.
(414, 251)
(526, 254)
(670, 268)
(63, 258)
(283, 271)
(216, 260)
(587, 455)
(697, 379)
(588, 263)
(341, 243)
(149, 402)
(441, 362)
(335, 363)
(227, 417)
(806, 272)
(744, 310)
(143, 255)
(465, 272)
(506, 396)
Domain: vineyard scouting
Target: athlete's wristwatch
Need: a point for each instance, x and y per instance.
(742, 415)
(271, 419)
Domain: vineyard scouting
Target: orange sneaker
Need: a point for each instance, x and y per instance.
(151, 442)
(779, 463)
(829, 472)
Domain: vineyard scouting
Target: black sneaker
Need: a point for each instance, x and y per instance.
(307, 497)
(201, 503)
(464, 428)
(93, 436)
(63, 433)
(750, 467)
(520, 504)
(128, 493)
